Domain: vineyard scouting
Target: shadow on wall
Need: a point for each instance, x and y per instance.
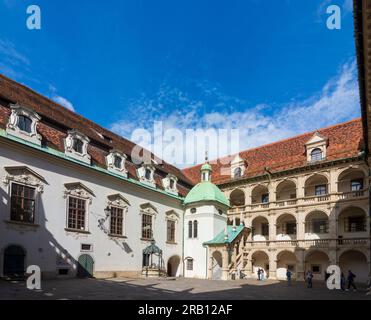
(38, 245)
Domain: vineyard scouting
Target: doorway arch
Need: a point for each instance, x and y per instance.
(85, 266)
(173, 266)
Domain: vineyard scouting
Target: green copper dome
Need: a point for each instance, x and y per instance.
(206, 191)
(206, 166)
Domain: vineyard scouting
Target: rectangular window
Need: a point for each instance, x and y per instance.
(265, 198)
(86, 247)
(356, 224)
(356, 185)
(316, 268)
(116, 222)
(22, 203)
(291, 228)
(146, 226)
(76, 213)
(170, 231)
(265, 229)
(319, 226)
(320, 190)
(190, 264)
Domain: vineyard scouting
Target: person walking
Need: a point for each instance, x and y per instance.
(259, 274)
(309, 279)
(262, 275)
(288, 276)
(351, 277)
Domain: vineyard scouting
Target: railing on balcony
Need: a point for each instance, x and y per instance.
(304, 200)
(352, 194)
(309, 243)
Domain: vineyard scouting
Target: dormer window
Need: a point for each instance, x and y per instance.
(76, 146)
(115, 161)
(23, 124)
(316, 155)
(146, 174)
(170, 184)
(316, 148)
(237, 173)
(237, 167)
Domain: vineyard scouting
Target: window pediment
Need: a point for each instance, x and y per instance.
(25, 176)
(148, 208)
(172, 215)
(77, 189)
(118, 200)
(23, 124)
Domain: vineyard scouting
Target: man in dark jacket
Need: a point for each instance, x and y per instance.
(351, 277)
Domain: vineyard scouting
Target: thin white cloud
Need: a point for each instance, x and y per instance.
(338, 101)
(63, 102)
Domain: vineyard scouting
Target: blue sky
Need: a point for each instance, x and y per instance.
(270, 68)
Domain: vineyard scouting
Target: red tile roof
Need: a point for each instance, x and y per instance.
(344, 140)
(57, 120)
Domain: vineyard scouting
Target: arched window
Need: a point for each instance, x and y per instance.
(78, 145)
(195, 229)
(148, 174)
(237, 172)
(117, 162)
(316, 155)
(24, 124)
(190, 229)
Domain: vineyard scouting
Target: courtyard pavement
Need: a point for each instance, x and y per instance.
(187, 289)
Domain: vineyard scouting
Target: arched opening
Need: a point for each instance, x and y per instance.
(286, 227)
(260, 194)
(286, 190)
(316, 155)
(173, 266)
(14, 262)
(351, 180)
(352, 222)
(237, 198)
(260, 260)
(217, 265)
(286, 260)
(355, 261)
(317, 262)
(260, 229)
(316, 225)
(316, 185)
(85, 267)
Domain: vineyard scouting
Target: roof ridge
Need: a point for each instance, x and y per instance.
(279, 141)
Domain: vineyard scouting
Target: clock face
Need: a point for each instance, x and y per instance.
(193, 210)
(220, 212)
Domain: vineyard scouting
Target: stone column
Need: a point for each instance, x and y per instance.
(300, 187)
(272, 227)
(300, 232)
(272, 192)
(225, 270)
(272, 265)
(300, 259)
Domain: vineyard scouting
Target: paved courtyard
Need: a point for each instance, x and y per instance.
(193, 289)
